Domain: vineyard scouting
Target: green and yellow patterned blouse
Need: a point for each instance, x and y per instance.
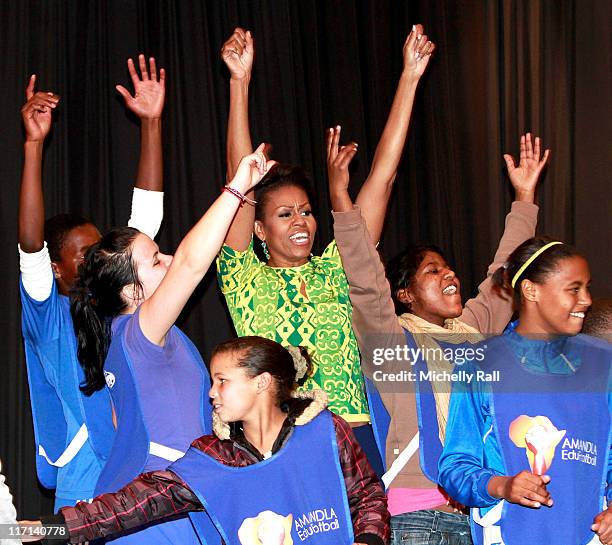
(269, 302)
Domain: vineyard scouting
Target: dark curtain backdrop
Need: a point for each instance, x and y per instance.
(501, 68)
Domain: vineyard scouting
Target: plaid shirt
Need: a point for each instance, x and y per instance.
(161, 494)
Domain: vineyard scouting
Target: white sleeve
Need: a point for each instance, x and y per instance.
(36, 273)
(147, 211)
(8, 514)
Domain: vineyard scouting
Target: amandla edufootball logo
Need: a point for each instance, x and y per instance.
(539, 437)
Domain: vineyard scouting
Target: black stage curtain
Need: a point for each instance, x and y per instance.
(501, 68)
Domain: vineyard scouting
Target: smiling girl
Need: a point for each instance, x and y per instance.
(531, 452)
(425, 290)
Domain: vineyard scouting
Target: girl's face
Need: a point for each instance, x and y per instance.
(151, 264)
(233, 392)
(288, 227)
(558, 305)
(435, 292)
(76, 243)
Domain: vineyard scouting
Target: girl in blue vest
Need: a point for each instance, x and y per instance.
(124, 304)
(528, 441)
(280, 469)
(73, 432)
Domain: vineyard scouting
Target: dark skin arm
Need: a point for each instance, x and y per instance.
(148, 104)
(37, 119)
(238, 53)
(376, 190)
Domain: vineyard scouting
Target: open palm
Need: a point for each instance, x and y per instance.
(149, 91)
(524, 176)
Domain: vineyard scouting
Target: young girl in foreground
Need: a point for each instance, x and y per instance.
(307, 478)
(539, 437)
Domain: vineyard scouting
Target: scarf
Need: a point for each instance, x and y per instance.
(455, 332)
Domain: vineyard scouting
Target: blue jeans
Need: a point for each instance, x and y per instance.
(429, 527)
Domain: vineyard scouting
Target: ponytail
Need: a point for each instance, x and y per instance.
(96, 298)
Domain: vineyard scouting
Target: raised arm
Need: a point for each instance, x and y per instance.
(37, 119)
(148, 104)
(238, 53)
(197, 251)
(376, 190)
(489, 311)
(374, 321)
(524, 176)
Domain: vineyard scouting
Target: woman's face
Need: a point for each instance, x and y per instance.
(233, 392)
(557, 306)
(435, 292)
(288, 227)
(151, 264)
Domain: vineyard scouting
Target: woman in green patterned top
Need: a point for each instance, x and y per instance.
(295, 298)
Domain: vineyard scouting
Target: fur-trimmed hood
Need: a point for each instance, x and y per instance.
(318, 402)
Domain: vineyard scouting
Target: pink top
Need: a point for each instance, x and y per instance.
(407, 500)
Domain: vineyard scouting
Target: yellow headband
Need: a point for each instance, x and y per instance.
(532, 259)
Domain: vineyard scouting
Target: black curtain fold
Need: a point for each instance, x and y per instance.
(501, 68)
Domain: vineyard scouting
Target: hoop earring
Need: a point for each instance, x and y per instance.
(264, 248)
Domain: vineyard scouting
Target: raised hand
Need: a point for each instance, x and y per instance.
(252, 169)
(36, 112)
(602, 525)
(238, 53)
(149, 91)
(524, 488)
(417, 51)
(524, 176)
(338, 161)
